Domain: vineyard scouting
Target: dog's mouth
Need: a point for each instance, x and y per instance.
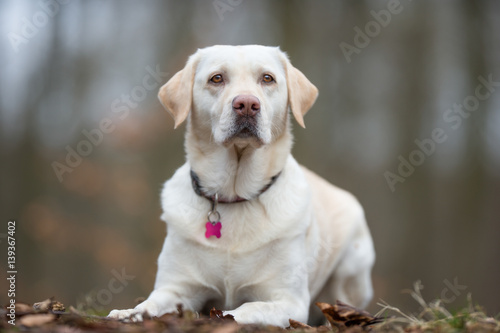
(244, 131)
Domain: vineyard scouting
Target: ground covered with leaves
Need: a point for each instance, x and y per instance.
(52, 316)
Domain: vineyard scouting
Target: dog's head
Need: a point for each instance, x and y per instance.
(238, 94)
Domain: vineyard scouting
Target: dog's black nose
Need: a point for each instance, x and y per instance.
(246, 105)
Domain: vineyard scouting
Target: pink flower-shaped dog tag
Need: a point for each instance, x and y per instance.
(213, 229)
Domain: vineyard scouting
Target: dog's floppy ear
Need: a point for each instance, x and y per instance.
(301, 92)
(176, 95)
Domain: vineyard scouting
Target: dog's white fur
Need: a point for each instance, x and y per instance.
(302, 240)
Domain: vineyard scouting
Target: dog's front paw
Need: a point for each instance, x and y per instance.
(135, 314)
(127, 315)
(242, 317)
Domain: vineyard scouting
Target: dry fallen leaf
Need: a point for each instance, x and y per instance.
(298, 324)
(49, 305)
(33, 320)
(180, 310)
(23, 308)
(218, 314)
(57, 306)
(43, 306)
(344, 315)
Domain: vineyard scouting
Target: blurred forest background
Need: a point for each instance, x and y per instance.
(71, 68)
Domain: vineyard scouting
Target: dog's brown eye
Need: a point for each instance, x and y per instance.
(217, 78)
(267, 78)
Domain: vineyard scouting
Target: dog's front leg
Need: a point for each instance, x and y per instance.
(172, 287)
(276, 312)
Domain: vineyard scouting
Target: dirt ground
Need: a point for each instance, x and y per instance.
(52, 316)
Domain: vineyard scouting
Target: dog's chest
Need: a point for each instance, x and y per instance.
(232, 277)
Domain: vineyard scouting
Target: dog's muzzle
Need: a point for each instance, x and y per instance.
(246, 110)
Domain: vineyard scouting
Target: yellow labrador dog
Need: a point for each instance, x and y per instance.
(248, 229)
